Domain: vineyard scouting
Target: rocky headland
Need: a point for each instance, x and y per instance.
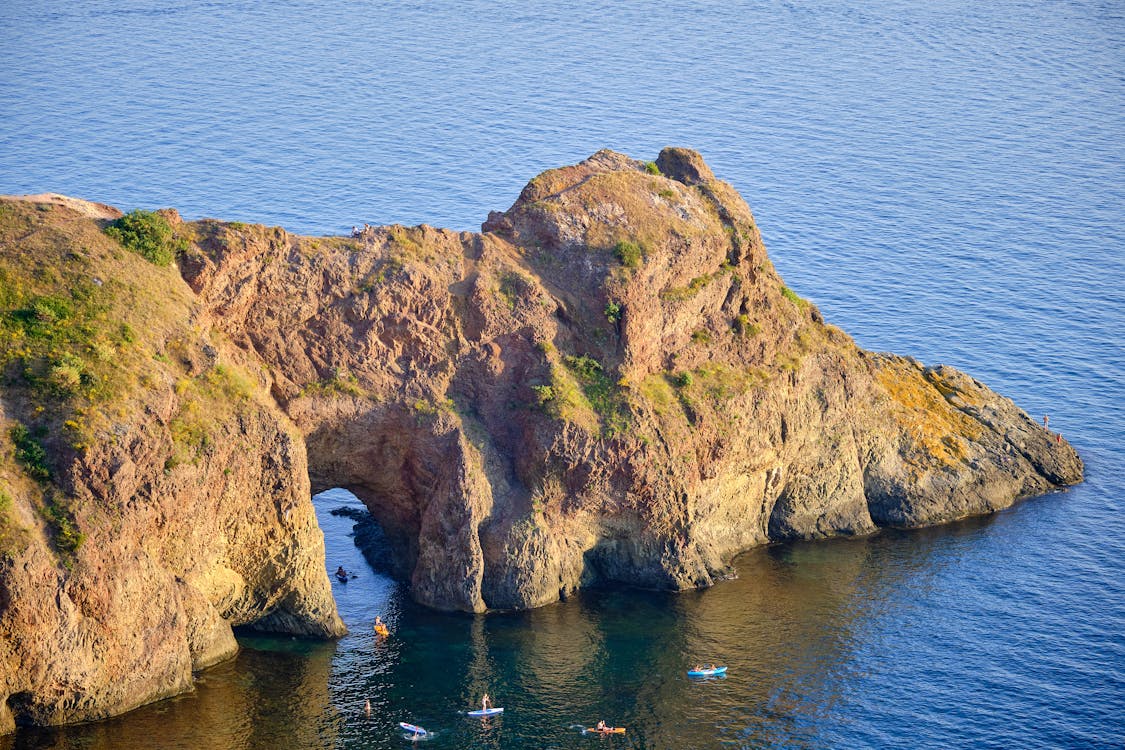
(609, 383)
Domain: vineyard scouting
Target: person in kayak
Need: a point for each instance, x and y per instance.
(341, 573)
(485, 702)
(601, 726)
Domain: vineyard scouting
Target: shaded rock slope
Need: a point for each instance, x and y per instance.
(609, 383)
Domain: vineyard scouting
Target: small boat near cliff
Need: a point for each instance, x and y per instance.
(708, 672)
(416, 732)
(606, 730)
(485, 712)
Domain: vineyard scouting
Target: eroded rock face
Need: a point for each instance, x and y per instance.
(172, 500)
(609, 383)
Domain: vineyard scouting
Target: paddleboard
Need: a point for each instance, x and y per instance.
(412, 728)
(706, 672)
(485, 712)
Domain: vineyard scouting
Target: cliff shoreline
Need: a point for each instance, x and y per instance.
(609, 383)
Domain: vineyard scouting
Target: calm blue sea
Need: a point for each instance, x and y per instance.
(945, 179)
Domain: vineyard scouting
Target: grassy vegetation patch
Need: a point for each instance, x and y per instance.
(411, 242)
(208, 401)
(613, 311)
(66, 536)
(569, 401)
(603, 395)
(793, 297)
(63, 344)
(341, 382)
(715, 385)
(513, 286)
(657, 390)
(701, 336)
(148, 234)
(30, 453)
(681, 293)
(386, 271)
(743, 326)
(629, 253)
(11, 535)
(432, 407)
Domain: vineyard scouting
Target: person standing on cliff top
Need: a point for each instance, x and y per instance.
(1046, 419)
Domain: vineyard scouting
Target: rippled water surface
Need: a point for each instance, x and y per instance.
(945, 179)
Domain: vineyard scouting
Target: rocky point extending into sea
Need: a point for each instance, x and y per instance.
(609, 383)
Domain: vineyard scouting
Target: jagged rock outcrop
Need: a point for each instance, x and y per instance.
(151, 496)
(609, 383)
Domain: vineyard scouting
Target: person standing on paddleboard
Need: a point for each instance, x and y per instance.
(485, 702)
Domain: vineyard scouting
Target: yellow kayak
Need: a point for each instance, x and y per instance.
(382, 630)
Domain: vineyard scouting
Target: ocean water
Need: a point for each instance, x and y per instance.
(944, 179)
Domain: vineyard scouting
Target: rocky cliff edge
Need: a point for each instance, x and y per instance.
(609, 383)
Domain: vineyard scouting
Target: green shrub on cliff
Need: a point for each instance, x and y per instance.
(12, 534)
(612, 312)
(544, 393)
(601, 392)
(744, 327)
(629, 253)
(67, 537)
(793, 297)
(681, 293)
(513, 286)
(30, 453)
(148, 234)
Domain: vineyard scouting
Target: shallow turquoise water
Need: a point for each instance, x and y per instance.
(944, 179)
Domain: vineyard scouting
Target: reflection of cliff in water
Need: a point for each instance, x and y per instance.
(261, 699)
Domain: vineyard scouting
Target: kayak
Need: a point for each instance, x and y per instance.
(382, 630)
(341, 578)
(485, 712)
(412, 728)
(607, 730)
(706, 672)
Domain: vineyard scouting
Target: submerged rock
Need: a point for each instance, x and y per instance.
(610, 383)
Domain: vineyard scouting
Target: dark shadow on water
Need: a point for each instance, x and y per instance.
(791, 630)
